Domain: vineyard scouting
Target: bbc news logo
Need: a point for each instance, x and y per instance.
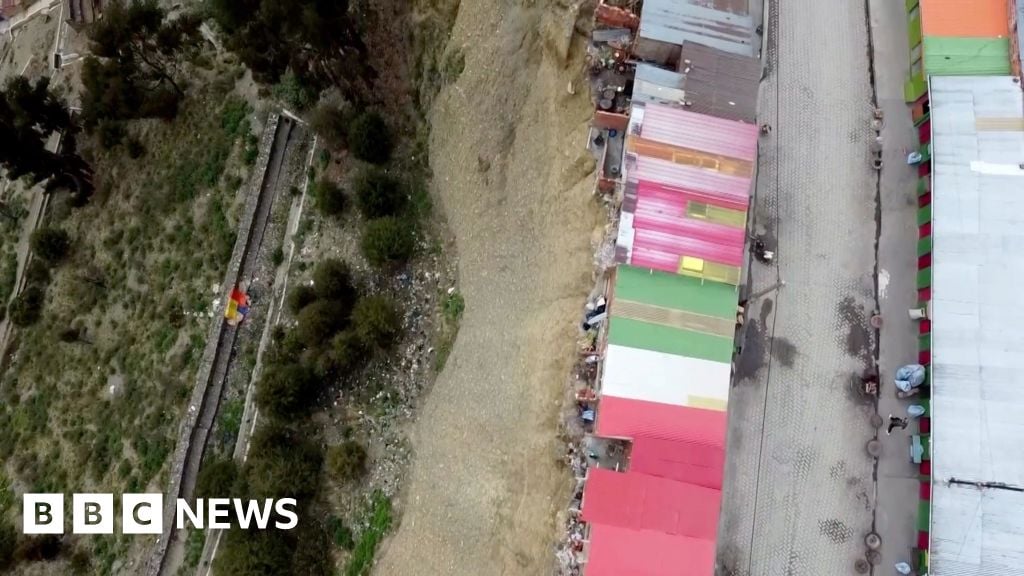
(143, 513)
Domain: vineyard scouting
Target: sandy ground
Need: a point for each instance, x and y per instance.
(508, 148)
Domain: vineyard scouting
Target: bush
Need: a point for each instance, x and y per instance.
(331, 123)
(300, 297)
(347, 461)
(135, 148)
(379, 194)
(50, 244)
(330, 198)
(341, 534)
(217, 479)
(369, 138)
(347, 352)
(332, 280)
(8, 544)
(26, 309)
(321, 320)
(388, 240)
(377, 322)
(285, 390)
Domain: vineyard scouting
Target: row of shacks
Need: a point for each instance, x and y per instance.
(966, 103)
(675, 87)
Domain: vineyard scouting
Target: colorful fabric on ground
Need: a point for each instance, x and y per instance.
(238, 307)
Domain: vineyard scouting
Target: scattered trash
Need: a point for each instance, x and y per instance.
(914, 157)
(903, 568)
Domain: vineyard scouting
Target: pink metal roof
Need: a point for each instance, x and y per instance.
(679, 245)
(654, 259)
(667, 213)
(616, 551)
(700, 132)
(681, 194)
(733, 188)
(625, 418)
(689, 462)
(643, 502)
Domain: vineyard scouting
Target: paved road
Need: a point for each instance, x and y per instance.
(799, 490)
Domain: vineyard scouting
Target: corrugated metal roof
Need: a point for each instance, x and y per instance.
(719, 83)
(643, 502)
(675, 22)
(945, 56)
(683, 461)
(616, 551)
(966, 18)
(624, 418)
(698, 132)
(674, 291)
(670, 340)
(680, 177)
(658, 377)
(977, 382)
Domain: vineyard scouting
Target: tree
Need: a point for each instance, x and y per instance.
(285, 390)
(388, 240)
(26, 309)
(330, 198)
(379, 194)
(332, 280)
(282, 463)
(30, 115)
(321, 320)
(50, 244)
(369, 138)
(136, 33)
(377, 322)
(249, 552)
(347, 461)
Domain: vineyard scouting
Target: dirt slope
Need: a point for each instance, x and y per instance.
(508, 148)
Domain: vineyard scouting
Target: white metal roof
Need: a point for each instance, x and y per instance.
(666, 378)
(977, 441)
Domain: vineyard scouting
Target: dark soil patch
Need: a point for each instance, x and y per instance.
(784, 351)
(858, 335)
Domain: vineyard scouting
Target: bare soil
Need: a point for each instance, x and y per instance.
(514, 179)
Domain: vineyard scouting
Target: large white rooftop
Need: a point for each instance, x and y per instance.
(977, 441)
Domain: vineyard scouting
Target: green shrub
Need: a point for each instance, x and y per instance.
(50, 244)
(321, 320)
(377, 321)
(330, 198)
(8, 544)
(332, 280)
(300, 297)
(347, 461)
(369, 138)
(347, 353)
(341, 534)
(379, 193)
(286, 390)
(26, 309)
(331, 123)
(217, 479)
(387, 240)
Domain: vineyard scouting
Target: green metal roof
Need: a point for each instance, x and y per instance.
(949, 56)
(669, 340)
(676, 292)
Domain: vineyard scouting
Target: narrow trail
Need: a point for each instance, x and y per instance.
(514, 177)
(170, 550)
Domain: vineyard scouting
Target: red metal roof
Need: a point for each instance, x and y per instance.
(616, 551)
(700, 132)
(643, 502)
(625, 418)
(689, 462)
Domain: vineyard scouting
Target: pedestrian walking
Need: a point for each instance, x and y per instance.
(895, 422)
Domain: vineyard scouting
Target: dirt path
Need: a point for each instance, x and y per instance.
(508, 151)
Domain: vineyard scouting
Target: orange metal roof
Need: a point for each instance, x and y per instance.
(970, 18)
